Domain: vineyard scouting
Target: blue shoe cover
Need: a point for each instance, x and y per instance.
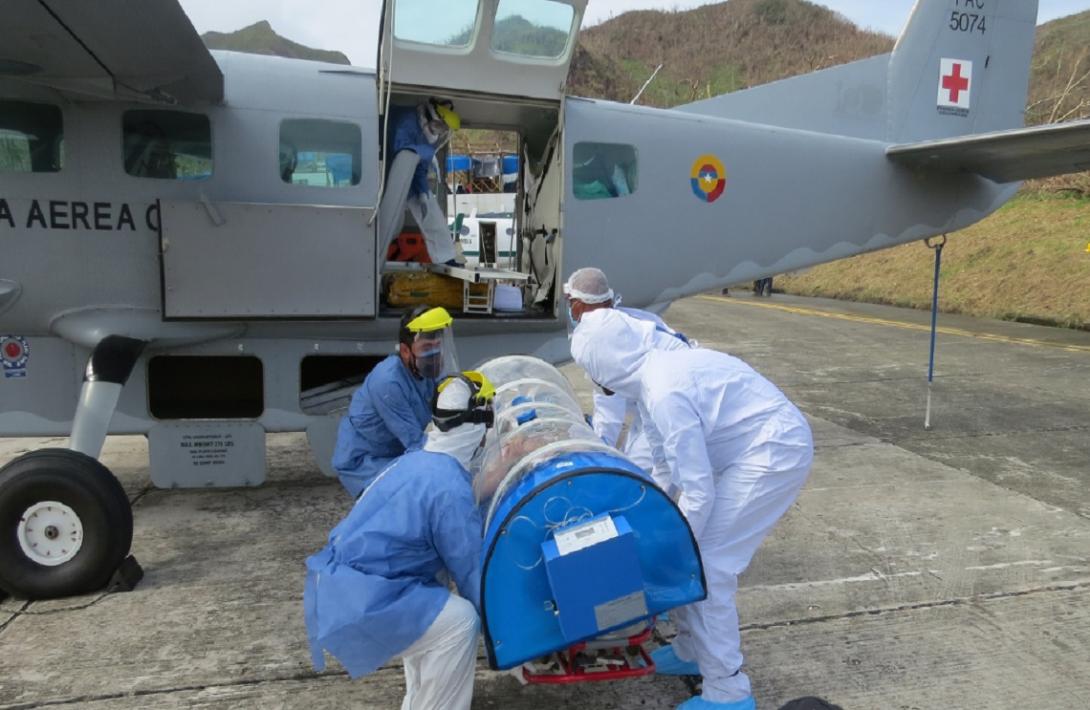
(699, 703)
(667, 663)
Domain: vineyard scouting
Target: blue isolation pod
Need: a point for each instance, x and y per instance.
(523, 616)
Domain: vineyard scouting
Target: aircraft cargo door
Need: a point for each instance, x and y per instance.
(502, 47)
(239, 261)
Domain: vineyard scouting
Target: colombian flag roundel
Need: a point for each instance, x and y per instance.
(709, 178)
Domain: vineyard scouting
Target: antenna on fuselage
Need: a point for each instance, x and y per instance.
(646, 84)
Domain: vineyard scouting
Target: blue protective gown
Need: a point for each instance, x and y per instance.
(386, 418)
(374, 589)
(408, 135)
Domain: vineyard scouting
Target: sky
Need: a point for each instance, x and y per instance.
(350, 26)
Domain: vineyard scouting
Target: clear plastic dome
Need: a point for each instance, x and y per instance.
(538, 391)
(537, 417)
(502, 370)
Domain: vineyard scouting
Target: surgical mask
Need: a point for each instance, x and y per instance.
(571, 316)
(430, 364)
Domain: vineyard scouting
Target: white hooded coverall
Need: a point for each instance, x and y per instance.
(610, 411)
(734, 447)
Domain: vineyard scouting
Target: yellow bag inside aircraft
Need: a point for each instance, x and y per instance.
(415, 288)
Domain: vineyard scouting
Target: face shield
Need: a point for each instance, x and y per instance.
(432, 353)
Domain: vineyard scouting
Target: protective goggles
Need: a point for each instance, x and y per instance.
(479, 410)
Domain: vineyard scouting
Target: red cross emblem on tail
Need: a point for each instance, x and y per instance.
(955, 84)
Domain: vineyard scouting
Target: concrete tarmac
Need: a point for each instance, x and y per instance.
(918, 570)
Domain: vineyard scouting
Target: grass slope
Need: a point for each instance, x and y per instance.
(1028, 261)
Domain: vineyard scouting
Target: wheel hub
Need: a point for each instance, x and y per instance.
(50, 533)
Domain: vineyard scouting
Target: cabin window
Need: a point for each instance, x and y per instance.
(604, 170)
(167, 145)
(31, 138)
(451, 23)
(320, 153)
(532, 28)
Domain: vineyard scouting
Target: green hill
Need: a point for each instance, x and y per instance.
(260, 38)
(1060, 88)
(715, 49)
(518, 35)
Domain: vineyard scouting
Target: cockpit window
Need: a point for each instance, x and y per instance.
(320, 153)
(167, 145)
(604, 170)
(31, 138)
(532, 28)
(451, 23)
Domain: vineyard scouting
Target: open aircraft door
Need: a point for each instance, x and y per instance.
(504, 64)
(516, 48)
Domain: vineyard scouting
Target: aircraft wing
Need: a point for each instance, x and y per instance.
(1004, 156)
(128, 50)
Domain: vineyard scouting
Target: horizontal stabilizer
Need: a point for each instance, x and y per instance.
(127, 50)
(1004, 156)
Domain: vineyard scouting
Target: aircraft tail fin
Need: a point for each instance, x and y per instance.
(960, 67)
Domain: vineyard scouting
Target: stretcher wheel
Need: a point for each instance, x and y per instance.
(65, 524)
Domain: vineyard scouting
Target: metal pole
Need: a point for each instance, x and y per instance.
(937, 246)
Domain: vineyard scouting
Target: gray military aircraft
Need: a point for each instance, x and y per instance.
(192, 243)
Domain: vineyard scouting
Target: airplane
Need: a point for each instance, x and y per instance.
(164, 270)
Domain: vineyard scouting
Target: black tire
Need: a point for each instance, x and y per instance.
(810, 704)
(92, 493)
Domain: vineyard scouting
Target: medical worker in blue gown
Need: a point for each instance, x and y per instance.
(587, 290)
(378, 589)
(388, 413)
(423, 130)
(733, 450)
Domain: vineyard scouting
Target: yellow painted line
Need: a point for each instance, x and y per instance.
(900, 324)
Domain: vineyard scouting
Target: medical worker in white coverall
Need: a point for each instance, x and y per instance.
(588, 290)
(736, 452)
